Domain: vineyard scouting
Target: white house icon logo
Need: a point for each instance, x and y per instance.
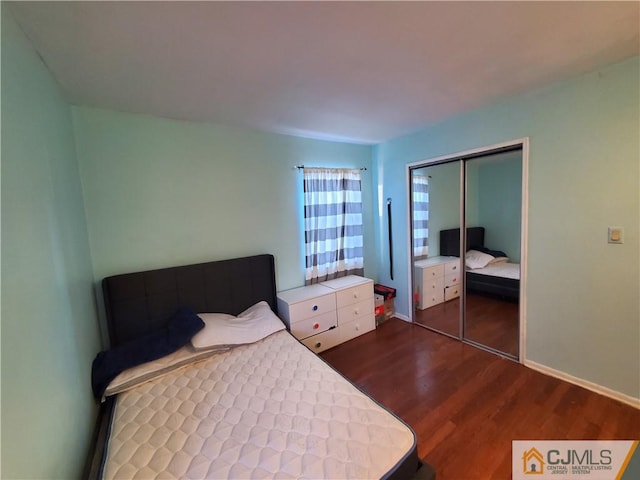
(532, 462)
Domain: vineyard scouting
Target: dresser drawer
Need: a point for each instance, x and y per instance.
(452, 292)
(432, 286)
(354, 294)
(452, 267)
(433, 272)
(432, 293)
(362, 325)
(356, 311)
(312, 315)
(311, 308)
(323, 341)
(451, 279)
(314, 325)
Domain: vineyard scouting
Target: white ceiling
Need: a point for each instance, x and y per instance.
(357, 71)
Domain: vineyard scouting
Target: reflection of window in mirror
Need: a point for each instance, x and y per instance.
(444, 200)
(420, 189)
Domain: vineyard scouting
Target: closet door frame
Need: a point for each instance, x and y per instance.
(466, 155)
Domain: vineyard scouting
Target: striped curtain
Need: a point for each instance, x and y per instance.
(332, 224)
(420, 187)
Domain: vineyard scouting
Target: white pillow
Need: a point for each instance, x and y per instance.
(222, 330)
(205, 338)
(499, 260)
(475, 259)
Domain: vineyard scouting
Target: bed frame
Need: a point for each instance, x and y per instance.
(138, 303)
(506, 288)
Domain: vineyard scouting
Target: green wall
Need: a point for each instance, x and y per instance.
(497, 204)
(160, 192)
(444, 200)
(49, 327)
(583, 315)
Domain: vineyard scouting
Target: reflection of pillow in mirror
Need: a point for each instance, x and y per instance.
(475, 259)
(493, 253)
(499, 260)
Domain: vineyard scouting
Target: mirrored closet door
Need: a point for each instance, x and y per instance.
(473, 296)
(492, 261)
(437, 286)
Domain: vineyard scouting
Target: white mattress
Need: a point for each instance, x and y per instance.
(271, 409)
(501, 269)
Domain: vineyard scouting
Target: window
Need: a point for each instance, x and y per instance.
(332, 223)
(420, 198)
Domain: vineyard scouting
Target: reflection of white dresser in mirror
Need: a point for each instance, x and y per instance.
(437, 280)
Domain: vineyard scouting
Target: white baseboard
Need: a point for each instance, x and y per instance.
(594, 387)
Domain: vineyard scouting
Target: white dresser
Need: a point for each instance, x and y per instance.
(437, 280)
(326, 314)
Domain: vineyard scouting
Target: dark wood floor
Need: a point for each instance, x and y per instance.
(467, 405)
(489, 321)
(444, 317)
(493, 322)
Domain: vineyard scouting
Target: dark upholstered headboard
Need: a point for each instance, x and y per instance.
(450, 240)
(139, 303)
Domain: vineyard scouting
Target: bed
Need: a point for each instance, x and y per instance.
(500, 279)
(270, 408)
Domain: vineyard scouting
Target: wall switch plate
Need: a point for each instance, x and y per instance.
(616, 235)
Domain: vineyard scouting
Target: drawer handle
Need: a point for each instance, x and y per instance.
(356, 312)
(316, 326)
(318, 345)
(355, 295)
(454, 267)
(314, 308)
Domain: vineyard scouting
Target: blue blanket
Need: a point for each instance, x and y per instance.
(183, 325)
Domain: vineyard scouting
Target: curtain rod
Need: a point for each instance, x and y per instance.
(302, 166)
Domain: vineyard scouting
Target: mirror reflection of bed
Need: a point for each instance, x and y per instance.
(492, 290)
